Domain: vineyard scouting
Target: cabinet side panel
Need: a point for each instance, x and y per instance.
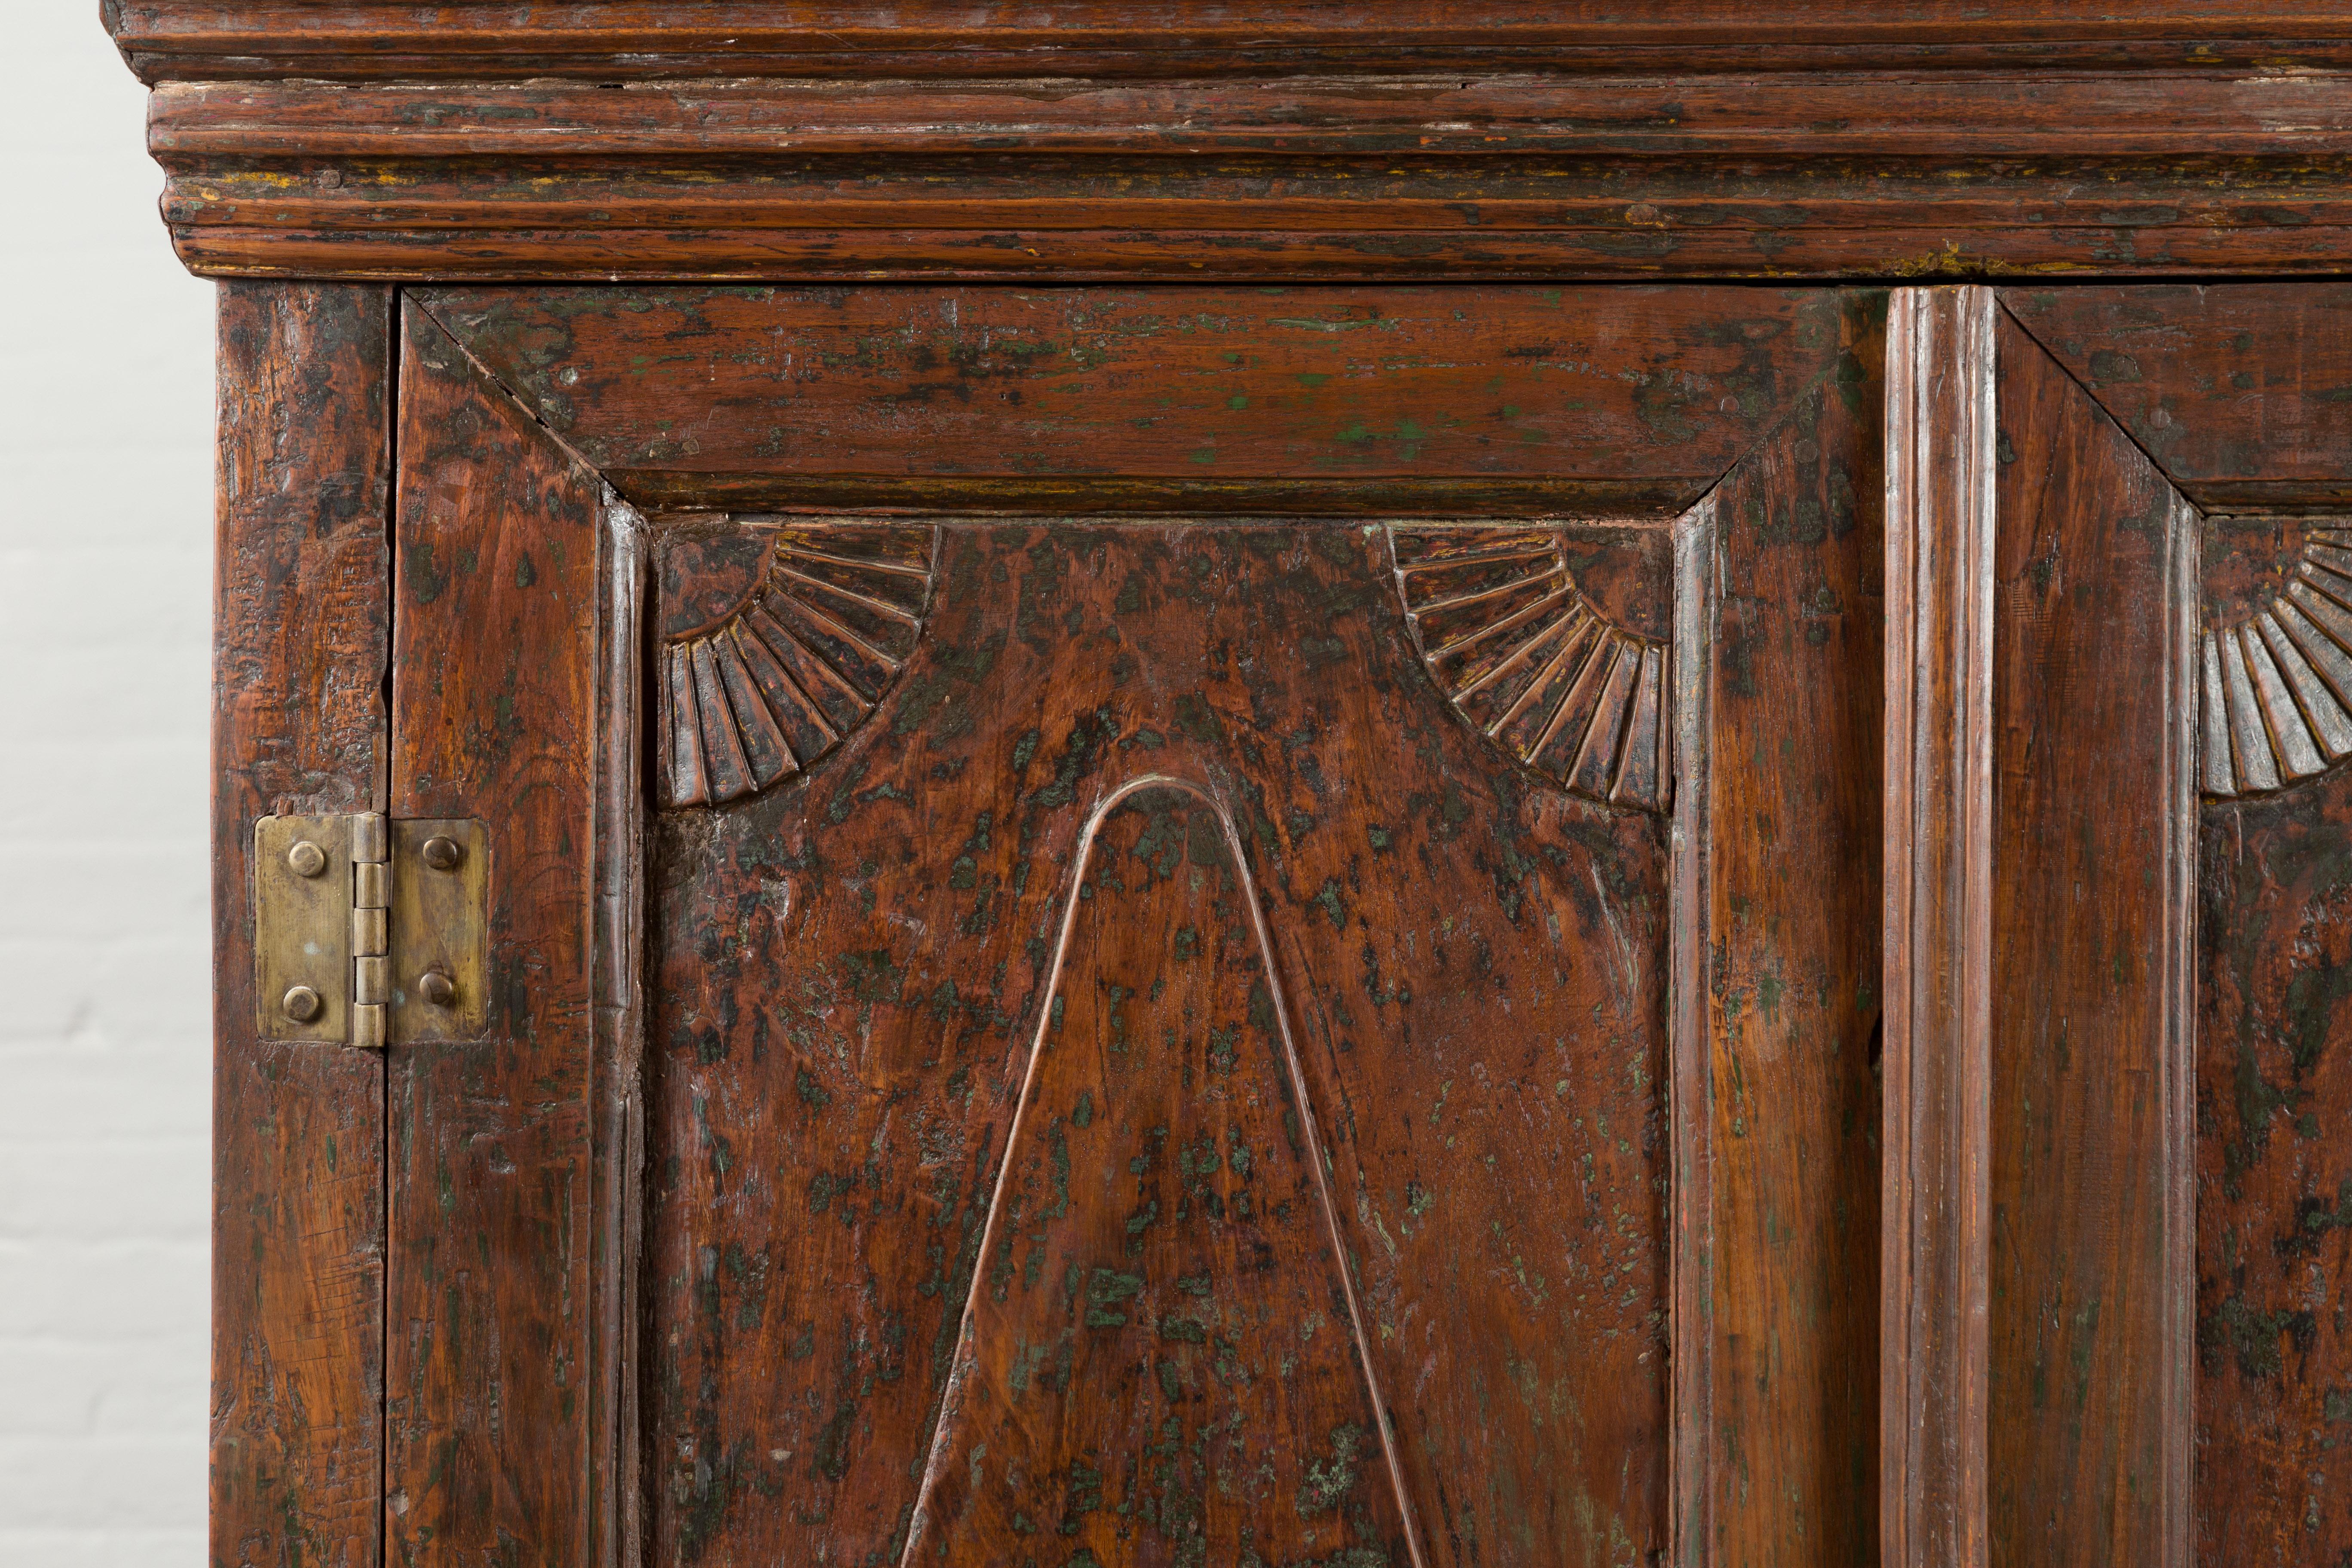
(301, 621)
(1792, 972)
(2088, 1395)
(491, 1359)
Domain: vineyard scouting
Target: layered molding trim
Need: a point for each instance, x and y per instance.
(755, 696)
(1078, 142)
(1533, 665)
(644, 40)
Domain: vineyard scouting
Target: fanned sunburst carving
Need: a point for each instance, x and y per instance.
(2275, 686)
(781, 678)
(1530, 662)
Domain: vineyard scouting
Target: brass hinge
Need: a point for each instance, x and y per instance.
(370, 932)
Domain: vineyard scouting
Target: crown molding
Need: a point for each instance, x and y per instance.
(500, 141)
(647, 40)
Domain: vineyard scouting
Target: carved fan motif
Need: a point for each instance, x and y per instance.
(2275, 686)
(776, 681)
(1529, 660)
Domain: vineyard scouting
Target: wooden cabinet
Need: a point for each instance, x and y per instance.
(1345, 792)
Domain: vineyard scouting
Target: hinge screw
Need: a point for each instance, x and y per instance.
(305, 859)
(301, 1003)
(442, 854)
(436, 988)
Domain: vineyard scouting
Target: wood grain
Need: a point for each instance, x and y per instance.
(2271, 1176)
(1161, 1312)
(1921, 247)
(1778, 1099)
(1941, 526)
(2270, 1092)
(1765, 115)
(1419, 173)
(2238, 390)
(494, 1359)
(2093, 802)
(357, 40)
(1632, 398)
(301, 620)
(851, 971)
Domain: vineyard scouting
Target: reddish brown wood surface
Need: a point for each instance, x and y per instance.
(2093, 805)
(1310, 399)
(2271, 1090)
(300, 628)
(1472, 965)
(2274, 1358)
(1779, 1304)
(2238, 390)
(1941, 523)
(1420, 174)
(578, 126)
(495, 1335)
(368, 40)
(1161, 1314)
(807, 1271)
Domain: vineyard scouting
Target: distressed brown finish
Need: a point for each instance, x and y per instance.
(298, 725)
(374, 39)
(756, 684)
(496, 1344)
(1765, 175)
(2238, 391)
(1758, 117)
(2095, 578)
(2272, 1174)
(1308, 399)
(786, 1411)
(1543, 666)
(2270, 1093)
(1778, 1300)
(1160, 1315)
(1292, 142)
(2276, 653)
(833, 1083)
(1941, 524)
(1260, 927)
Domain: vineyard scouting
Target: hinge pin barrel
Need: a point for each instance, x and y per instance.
(371, 921)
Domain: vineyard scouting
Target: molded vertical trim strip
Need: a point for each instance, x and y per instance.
(2177, 1372)
(1941, 522)
(615, 1475)
(1691, 1093)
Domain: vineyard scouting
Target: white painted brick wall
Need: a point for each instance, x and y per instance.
(105, 583)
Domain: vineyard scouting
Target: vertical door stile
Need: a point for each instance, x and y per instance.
(302, 624)
(1940, 527)
(1777, 979)
(2089, 1393)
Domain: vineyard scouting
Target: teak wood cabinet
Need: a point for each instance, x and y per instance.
(1375, 786)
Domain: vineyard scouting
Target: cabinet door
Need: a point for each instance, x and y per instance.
(2120, 693)
(1143, 925)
